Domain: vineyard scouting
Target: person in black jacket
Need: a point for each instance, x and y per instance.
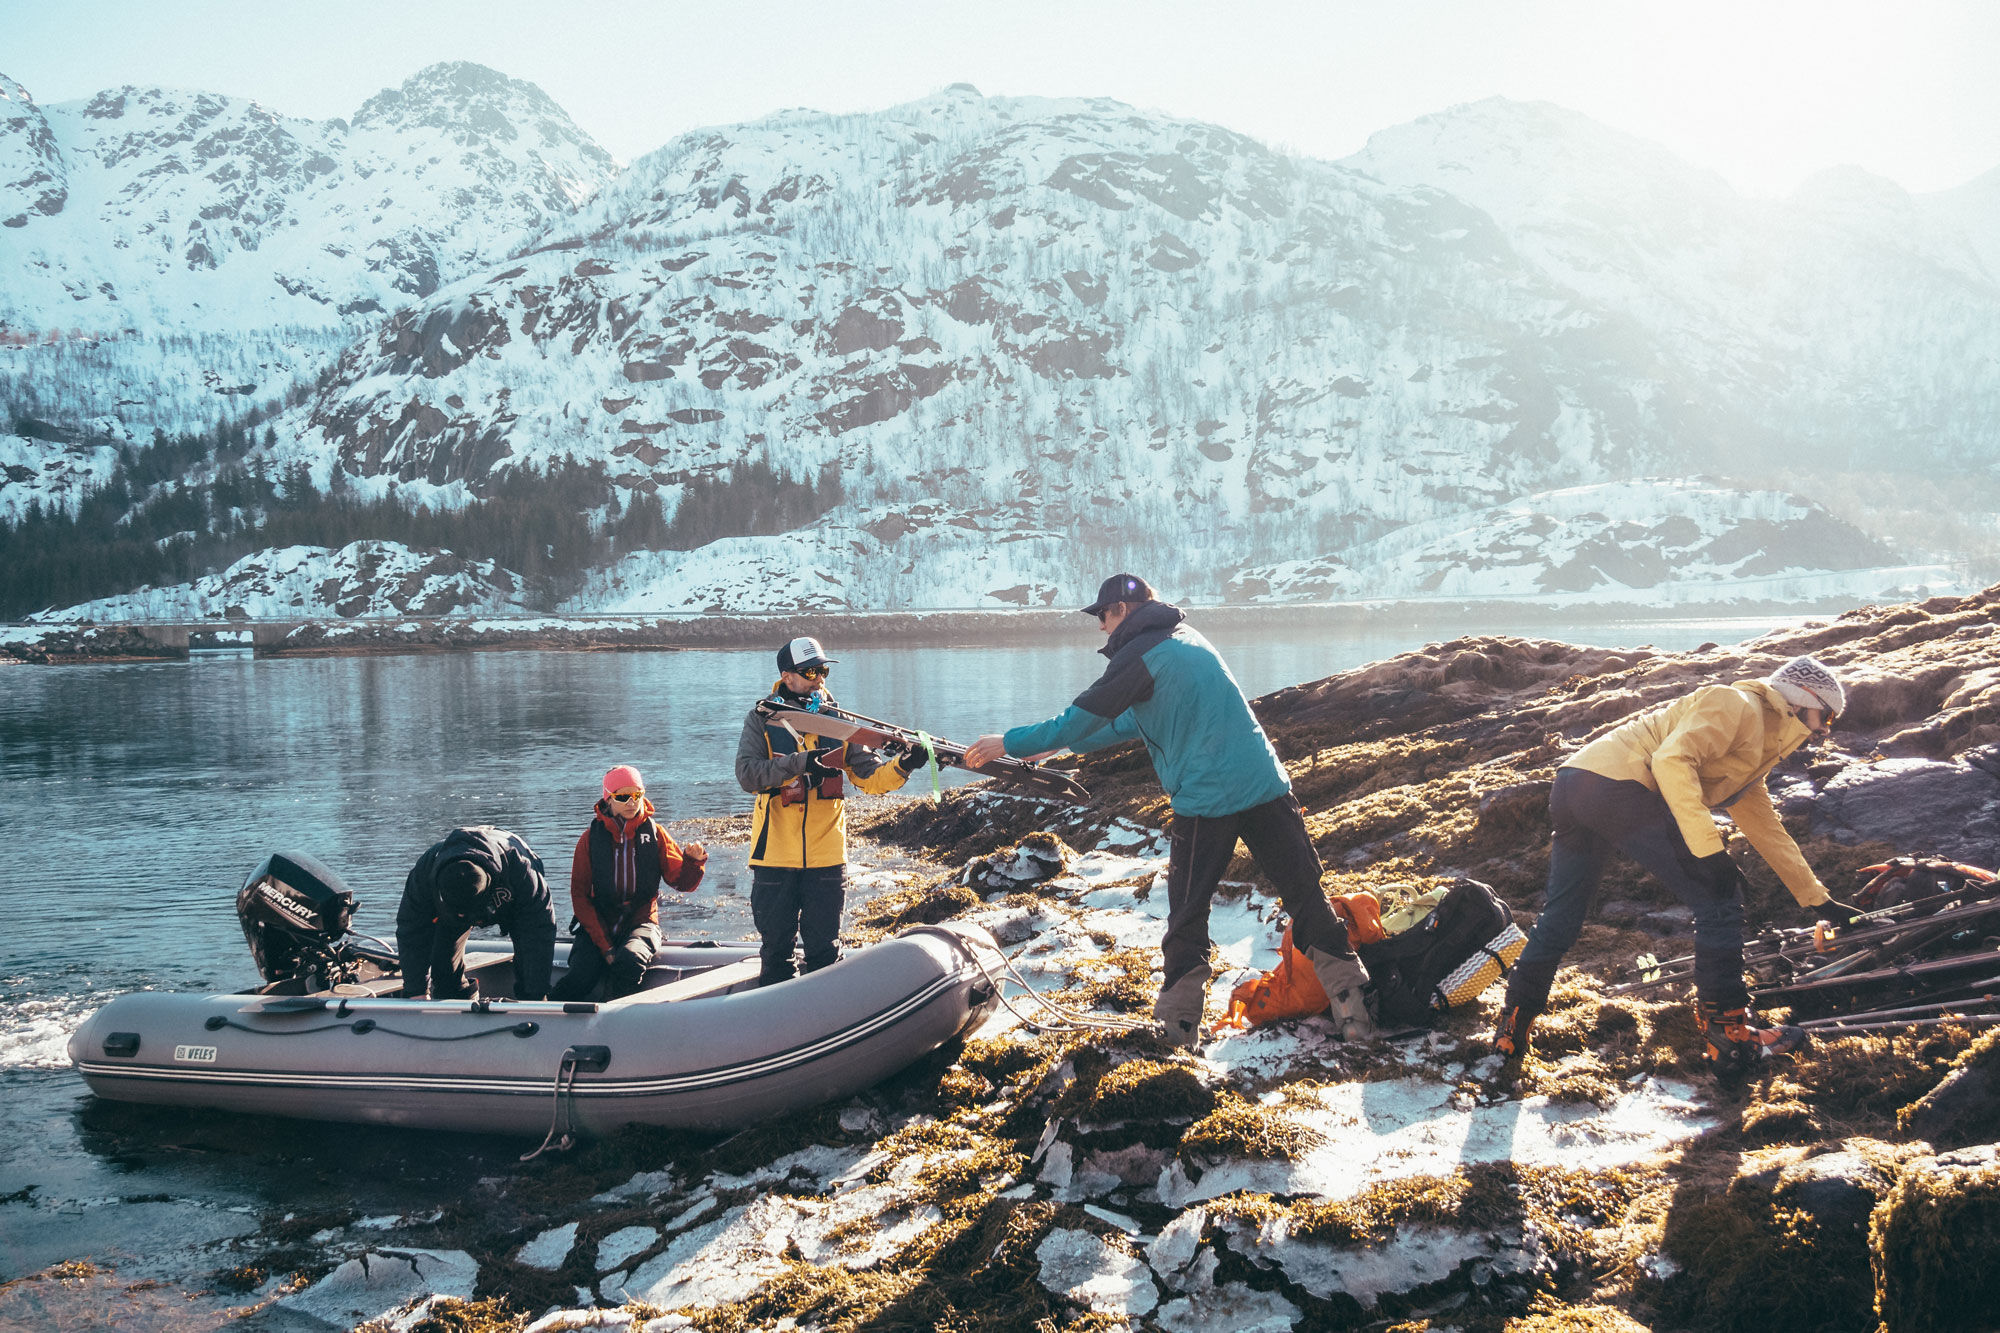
(479, 876)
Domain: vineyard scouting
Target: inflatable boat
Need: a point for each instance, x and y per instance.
(701, 1046)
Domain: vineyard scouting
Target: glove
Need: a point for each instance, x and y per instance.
(1723, 876)
(1835, 912)
(916, 755)
(817, 765)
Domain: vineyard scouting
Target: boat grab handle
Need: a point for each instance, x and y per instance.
(363, 1026)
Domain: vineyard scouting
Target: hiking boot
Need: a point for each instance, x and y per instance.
(1179, 1008)
(1342, 977)
(1510, 1034)
(1527, 995)
(1734, 1040)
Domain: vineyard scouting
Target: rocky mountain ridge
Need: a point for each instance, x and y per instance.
(1036, 338)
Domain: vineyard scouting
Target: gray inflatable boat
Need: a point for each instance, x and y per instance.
(701, 1047)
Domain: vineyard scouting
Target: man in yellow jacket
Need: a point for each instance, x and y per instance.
(798, 833)
(1646, 788)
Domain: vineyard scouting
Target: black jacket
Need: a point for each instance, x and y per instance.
(430, 933)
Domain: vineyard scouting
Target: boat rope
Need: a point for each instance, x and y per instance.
(565, 1082)
(1067, 1019)
(363, 1026)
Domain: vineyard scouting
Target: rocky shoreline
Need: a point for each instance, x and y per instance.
(1097, 1179)
(57, 644)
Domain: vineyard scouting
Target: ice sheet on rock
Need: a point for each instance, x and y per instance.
(615, 1249)
(377, 1282)
(820, 1163)
(548, 1250)
(1081, 1267)
(643, 1184)
(1413, 1127)
(1414, 1256)
(1232, 1306)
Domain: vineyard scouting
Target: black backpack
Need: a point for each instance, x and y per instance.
(1406, 968)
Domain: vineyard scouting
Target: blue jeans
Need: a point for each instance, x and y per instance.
(1594, 816)
(790, 906)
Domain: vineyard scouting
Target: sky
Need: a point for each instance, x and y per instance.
(1765, 92)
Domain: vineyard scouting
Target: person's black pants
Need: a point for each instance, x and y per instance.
(1593, 816)
(587, 967)
(797, 906)
(1200, 848)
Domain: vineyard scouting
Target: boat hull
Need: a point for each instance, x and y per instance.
(716, 1061)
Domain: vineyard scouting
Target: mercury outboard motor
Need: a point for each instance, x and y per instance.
(294, 912)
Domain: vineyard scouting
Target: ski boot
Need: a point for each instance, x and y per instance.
(1342, 977)
(1179, 1008)
(1734, 1040)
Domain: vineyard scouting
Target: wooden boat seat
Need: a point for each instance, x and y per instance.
(716, 981)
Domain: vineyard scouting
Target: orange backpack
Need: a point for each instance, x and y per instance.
(1291, 989)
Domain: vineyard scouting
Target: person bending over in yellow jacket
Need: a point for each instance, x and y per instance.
(798, 833)
(1646, 788)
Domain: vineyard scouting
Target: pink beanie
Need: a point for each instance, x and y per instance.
(623, 778)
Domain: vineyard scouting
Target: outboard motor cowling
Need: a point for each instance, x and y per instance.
(294, 912)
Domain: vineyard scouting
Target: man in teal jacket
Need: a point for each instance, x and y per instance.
(1167, 686)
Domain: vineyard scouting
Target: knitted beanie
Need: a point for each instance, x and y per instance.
(623, 778)
(1807, 684)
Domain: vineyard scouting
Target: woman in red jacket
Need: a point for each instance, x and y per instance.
(614, 889)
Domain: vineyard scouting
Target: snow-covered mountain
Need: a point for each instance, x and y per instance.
(366, 578)
(1117, 338)
(170, 237)
(1656, 541)
(1038, 339)
(147, 206)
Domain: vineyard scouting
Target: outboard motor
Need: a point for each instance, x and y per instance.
(294, 912)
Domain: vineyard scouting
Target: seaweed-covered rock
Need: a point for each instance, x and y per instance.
(1965, 1108)
(1837, 1190)
(1036, 859)
(1932, 1242)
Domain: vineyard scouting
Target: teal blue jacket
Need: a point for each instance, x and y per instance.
(1167, 686)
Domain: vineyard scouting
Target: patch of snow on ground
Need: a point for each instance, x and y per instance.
(622, 1244)
(548, 1250)
(1081, 1267)
(1414, 1127)
(369, 1286)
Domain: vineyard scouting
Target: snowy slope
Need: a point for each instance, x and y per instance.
(1144, 336)
(1653, 542)
(147, 206)
(1160, 343)
(1852, 325)
(51, 473)
(366, 578)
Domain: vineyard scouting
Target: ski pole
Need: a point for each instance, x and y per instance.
(1935, 1021)
(1983, 1001)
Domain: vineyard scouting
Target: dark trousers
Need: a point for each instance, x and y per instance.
(587, 967)
(1594, 816)
(534, 958)
(797, 906)
(1200, 847)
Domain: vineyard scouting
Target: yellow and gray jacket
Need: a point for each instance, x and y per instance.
(812, 831)
(1712, 750)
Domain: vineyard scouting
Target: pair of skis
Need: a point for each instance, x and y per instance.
(872, 733)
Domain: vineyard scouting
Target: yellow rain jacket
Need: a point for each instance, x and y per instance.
(812, 831)
(1712, 750)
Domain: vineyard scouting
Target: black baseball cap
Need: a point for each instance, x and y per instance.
(1119, 588)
